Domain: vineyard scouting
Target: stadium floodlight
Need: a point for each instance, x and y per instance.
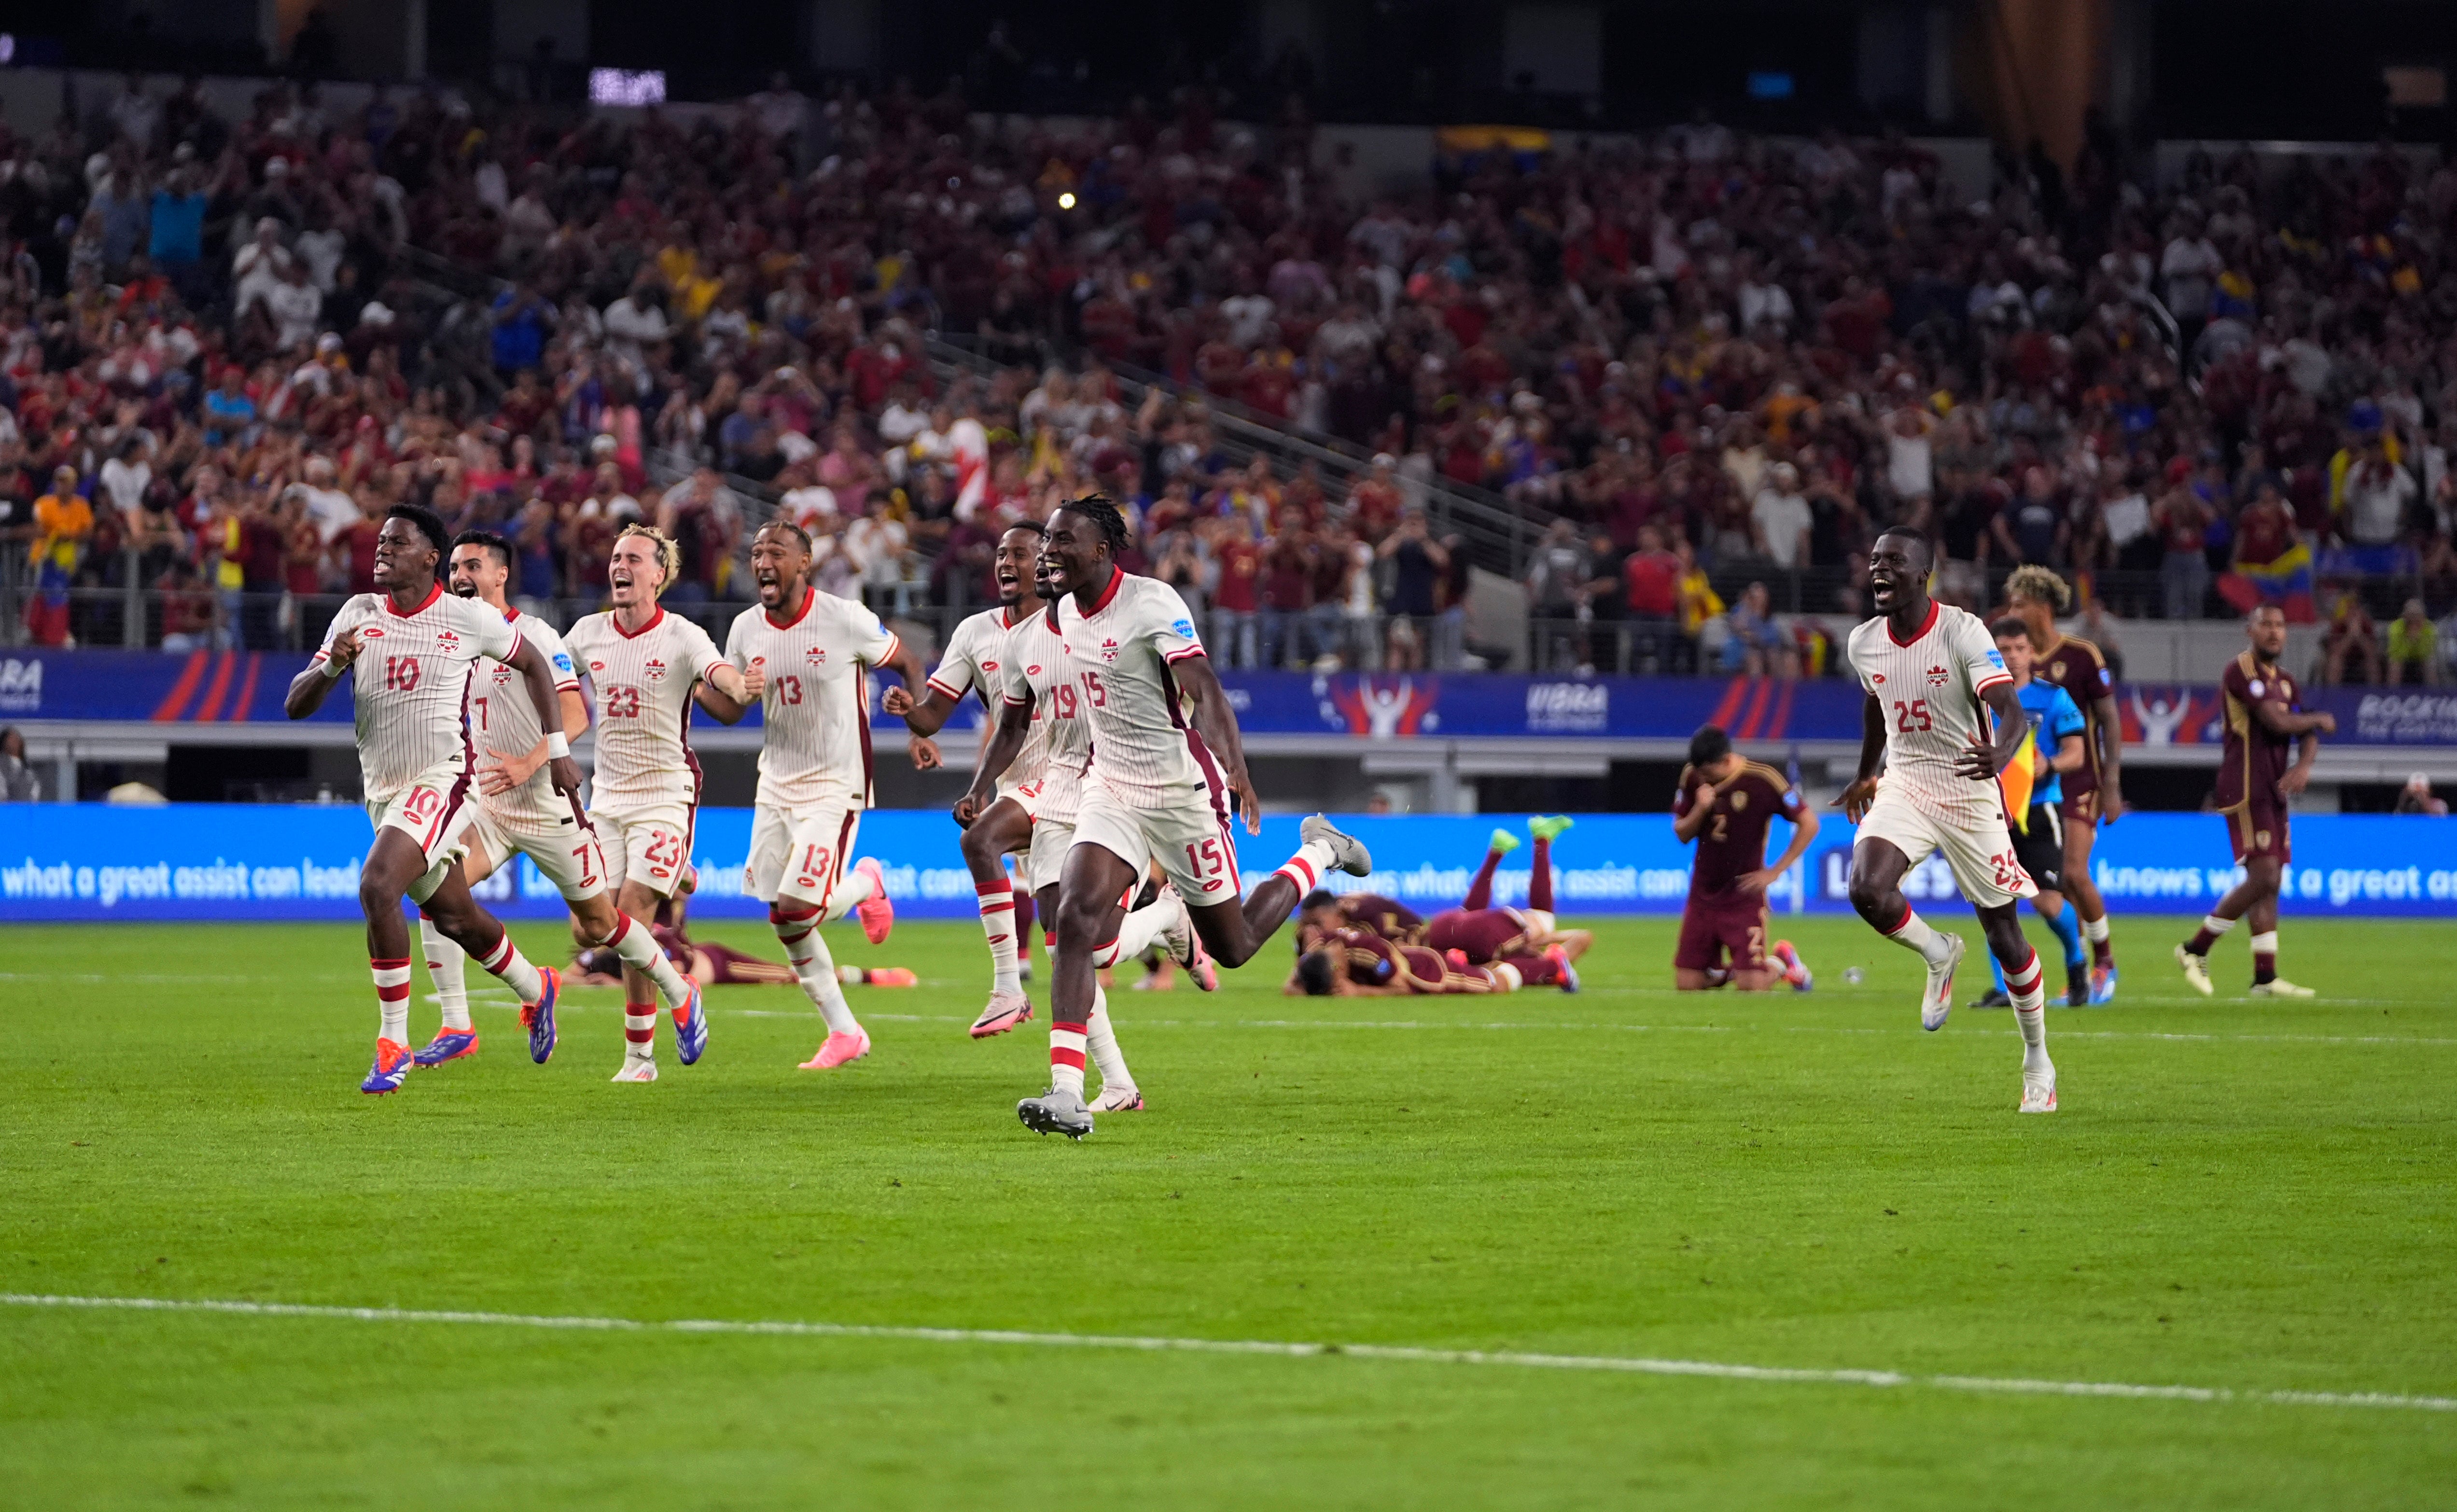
(627, 86)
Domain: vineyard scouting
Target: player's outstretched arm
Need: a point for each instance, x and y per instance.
(926, 715)
(724, 693)
(1854, 800)
(539, 674)
(998, 753)
(1217, 722)
(321, 677)
(1982, 763)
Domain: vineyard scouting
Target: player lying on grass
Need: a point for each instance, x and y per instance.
(1155, 787)
(2035, 808)
(1724, 803)
(711, 963)
(423, 646)
(1477, 933)
(2264, 720)
(1941, 717)
(519, 812)
(806, 656)
(1349, 960)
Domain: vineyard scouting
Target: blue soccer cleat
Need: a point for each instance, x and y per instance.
(539, 1016)
(691, 1028)
(2102, 985)
(448, 1044)
(392, 1067)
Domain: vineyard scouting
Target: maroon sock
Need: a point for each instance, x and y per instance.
(1022, 923)
(1479, 892)
(1535, 970)
(2102, 952)
(1539, 880)
(2264, 965)
(2201, 942)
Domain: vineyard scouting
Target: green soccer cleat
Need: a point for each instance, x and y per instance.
(1502, 842)
(1548, 829)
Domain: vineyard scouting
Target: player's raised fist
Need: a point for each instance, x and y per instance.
(895, 699)
(344, 647)
(754, 683)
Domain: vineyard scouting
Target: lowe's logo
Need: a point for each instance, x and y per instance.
(21, 687)
(1568, 706)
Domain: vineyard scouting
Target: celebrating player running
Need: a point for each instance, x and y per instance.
(422, 647)
(1933, 679)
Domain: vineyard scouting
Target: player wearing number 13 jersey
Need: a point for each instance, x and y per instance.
(807, 657)
(1942, 716)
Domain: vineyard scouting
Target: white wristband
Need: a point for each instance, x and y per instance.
(557, 745)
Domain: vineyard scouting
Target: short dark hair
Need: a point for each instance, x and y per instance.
(1315, 971)
(1104, 514)
(1034, 526)
(502, 548)
(1709, 745)
(1928, 547)
(1318, 898)
(780, 523)
(2008, 628)
(430, 525)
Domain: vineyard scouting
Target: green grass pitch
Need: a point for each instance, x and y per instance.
(2253, 1197)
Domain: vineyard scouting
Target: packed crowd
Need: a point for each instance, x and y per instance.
(1713, 365)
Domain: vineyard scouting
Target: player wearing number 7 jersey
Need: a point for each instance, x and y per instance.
(807, 657)
(422, 647)
(646, 666)
(1942, 715)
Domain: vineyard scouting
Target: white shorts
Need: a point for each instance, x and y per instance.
(802, 849)
(566, 849)
(649, 846)
(433, 812)
(1979, 851)
(1046, 858)
(1185, 831)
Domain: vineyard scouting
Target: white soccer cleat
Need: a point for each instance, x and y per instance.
(1938, 1000)
(1119, 1099)
(2196, 971)
(2039, 1090)
(635, 1069)
(1348, 853)
(1005, 1011)
(1056, 1112)
(2280, 987)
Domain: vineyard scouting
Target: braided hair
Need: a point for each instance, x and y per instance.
(1102, 513)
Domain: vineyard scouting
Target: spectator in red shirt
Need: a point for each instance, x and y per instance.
(1236, 600)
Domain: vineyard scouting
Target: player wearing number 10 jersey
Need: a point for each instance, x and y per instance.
(1942, 715)
(646, 666)
(807, 657)
(422, 647)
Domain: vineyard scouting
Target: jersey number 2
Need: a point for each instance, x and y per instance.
(1905, 713)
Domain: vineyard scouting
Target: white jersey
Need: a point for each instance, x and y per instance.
(414, 672)
(1119, 656)
(1929, 691)
(816, 706)
(504, 724)
(1038, 673)
(644, 683)
(977, 656)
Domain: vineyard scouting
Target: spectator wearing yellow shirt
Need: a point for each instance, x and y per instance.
(63, 525)
(2413, 647)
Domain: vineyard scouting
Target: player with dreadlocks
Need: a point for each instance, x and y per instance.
(1165, 774)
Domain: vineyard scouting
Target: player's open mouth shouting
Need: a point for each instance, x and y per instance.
(1887, 572)
(771, 578)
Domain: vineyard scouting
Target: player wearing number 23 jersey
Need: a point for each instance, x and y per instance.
(644, 798)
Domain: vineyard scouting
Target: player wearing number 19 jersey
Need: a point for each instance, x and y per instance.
(807, 657)
(1941, 714)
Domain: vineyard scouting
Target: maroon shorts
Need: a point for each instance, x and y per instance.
(2081, 809)
(1483, 935)
(2259, 829)
(1710, 927)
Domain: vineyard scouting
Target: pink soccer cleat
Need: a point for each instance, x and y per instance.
(1005, 1011)
(1569, 977)
(878, 915)
(838, 1049)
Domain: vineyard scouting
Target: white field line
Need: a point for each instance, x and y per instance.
(1622, 1365)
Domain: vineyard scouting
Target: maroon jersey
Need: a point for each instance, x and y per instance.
(1368, 959)
(2254, 759)
(2077, 666)
(1387, 917)
(1734, 841)
(1480, 935)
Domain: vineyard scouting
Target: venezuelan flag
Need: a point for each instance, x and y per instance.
(2015, 781)
(2287, 582)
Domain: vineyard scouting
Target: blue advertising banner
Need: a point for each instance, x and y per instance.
(90, 862)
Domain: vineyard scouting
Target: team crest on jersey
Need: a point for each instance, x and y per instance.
(816, 655)
(502, 675)
(1109, 650)
(448, 641)
(654, 671)
(1938, 676)
(1740, 801)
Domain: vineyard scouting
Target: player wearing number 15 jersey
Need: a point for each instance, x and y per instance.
(1942, 716)
(422, 647)
(807, 657)
(646, 666)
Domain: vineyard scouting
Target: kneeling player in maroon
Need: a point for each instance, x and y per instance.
(1724, 803)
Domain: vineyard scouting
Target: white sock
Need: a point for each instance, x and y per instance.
(447, 965)
(2094, 931)
(1101, 1041)
(639, 1030)
(1506, 977)
(998, 922)
(1915, 934)
(2265, 944)
(2215, 926)
(392, 999)
(2029, 991)
(1307, 867)
(1138, 929)
(637, 946)
(512, 969)
(796, 925)
(853, 886)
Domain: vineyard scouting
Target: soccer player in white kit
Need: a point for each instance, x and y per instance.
(807, 656)
(645, 666)
(518, 812)
(1934, 678)
(1157, 789)
(423, 646)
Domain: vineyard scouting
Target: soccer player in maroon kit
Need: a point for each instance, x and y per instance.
(2255, 783)
(2094, 793)
(1724, 802)
(1477, 933)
